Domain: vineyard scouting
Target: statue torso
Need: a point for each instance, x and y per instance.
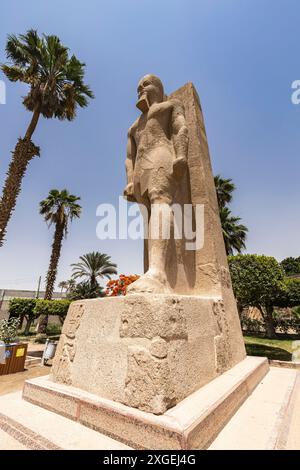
(152, 134)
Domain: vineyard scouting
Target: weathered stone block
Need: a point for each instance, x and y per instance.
(147, 351)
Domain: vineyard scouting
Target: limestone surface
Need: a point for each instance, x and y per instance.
(148, 351)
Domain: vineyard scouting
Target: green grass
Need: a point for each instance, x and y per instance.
(280, 349)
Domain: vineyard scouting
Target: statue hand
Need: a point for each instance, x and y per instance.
(179, 167)
(128, 193)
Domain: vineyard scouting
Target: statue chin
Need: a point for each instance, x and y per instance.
(143, 104)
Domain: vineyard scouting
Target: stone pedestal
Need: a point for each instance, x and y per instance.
(146, 351)
(192, 424)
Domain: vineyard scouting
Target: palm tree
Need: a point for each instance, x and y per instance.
(234, 234)
(224, 188)
(83, 290)
(57, 88)
(63, 285)
(59, 208)
(93, 266)
(71, 284)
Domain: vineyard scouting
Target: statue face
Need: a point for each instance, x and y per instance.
(149, 92)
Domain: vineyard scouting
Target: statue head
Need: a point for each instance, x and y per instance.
(150, 90)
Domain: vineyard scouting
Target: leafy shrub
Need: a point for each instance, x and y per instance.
(53, 329)
(252, 325)
(9, 330)
(287, 325)
(296, 312)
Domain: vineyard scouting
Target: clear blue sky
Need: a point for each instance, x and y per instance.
(242, 56)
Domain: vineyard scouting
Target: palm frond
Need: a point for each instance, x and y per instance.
(56, 78)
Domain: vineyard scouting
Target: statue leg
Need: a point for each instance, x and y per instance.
(159, 234)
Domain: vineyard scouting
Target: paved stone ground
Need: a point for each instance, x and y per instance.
(7, 442)
(14, 382)
(35, 428)
(35, 348)
(269, 419)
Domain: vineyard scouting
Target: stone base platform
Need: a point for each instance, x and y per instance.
(147, 351)
(191, 424)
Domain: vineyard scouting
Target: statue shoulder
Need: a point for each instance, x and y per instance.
(177, 105)
(132, 129)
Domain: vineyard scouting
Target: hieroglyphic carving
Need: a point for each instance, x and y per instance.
(65, 357)
(222, 345)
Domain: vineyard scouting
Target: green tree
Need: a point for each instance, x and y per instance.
(59, 208)
(22, 309)
(94, 266)
(258, 281)
(291, 266)
(291, 297)
(56, 89)
(234, 233)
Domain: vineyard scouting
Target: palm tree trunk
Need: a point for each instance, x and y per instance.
(94, 282)
(24, 151)
(52, 272)
(32, 126)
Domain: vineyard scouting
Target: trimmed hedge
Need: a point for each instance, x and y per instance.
(51, 307)
(36, 307)
(19, 308)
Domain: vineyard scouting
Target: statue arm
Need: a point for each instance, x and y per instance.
(180, 132)
(130, 157)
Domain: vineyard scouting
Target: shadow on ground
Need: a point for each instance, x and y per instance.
(268, 351)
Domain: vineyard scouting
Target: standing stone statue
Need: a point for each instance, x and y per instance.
(174, 347)
(179, 329)
(156, 161)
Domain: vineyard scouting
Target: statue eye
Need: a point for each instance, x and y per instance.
(145, 83)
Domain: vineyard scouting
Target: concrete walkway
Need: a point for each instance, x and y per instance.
(37, 428)
(9, 443)
(13, 382)
(269, 419)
